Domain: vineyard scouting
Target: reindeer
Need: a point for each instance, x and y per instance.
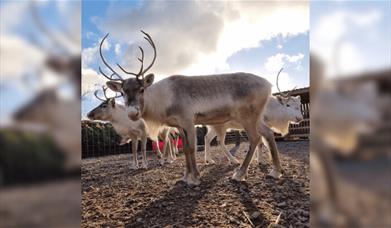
(281, 110)
(192, 100)
(108, 110)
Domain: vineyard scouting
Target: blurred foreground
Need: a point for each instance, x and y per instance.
(350, 114)
(40, 113)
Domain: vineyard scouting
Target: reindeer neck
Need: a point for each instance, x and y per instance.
(155, 98)
(119, 116)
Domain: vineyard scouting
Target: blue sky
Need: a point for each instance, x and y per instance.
(207, 38)
(361, 30)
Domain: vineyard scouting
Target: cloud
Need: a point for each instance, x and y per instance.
(18, 57)
(91, 80)
(195, 37)
(91, 54)
(276, 62)
(341, 39)
(117, 49)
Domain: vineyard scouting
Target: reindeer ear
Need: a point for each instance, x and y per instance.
(148, 80)
(112, 102)
(279, 98)
(115, 86)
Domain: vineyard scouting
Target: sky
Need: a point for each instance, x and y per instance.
(198, 38)
(195, 38)
(24, 49)
(351, 36)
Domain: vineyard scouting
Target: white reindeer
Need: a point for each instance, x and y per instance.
(108, 110)
(279, 113)
(281, 110)
(130, 130)
(192, 100)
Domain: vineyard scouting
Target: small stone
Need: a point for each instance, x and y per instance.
(197, 188)
(282, 204)
(255, 214)
(139, 219)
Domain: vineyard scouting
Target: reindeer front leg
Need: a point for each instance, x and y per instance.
(134, 153)
(144, 151)
(189, 140)
(254, 138)
(208, 139)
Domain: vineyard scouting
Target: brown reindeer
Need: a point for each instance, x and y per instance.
(185, 101)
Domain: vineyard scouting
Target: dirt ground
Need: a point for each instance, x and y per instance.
(113, 195)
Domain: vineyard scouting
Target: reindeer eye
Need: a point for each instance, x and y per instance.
(104, 106)
(288, 105)
(142, 90)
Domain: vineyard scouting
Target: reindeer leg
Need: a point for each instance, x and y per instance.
(175, 148)
(221, 133)
(134, 153)
(268, 134)
(187, 155)
(144, 151)
(254, 138)
(170, 157)
(190, 138)
(208, 139)
(159, 153)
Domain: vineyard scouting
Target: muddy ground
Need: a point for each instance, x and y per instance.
(113, 195)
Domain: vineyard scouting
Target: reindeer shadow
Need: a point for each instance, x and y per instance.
(178, 203)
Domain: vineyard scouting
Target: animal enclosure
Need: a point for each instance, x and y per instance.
(100, 139)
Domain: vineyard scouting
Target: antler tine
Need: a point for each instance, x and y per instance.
(104, 92)
(110, 78)
(150, 41)
(96, 95)
(278, 75)
(116, 96)
(105, 62)
(141, 68)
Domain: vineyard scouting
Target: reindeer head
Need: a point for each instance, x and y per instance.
(132, 89)
(292, 104)
(292, 108)
(105, 109)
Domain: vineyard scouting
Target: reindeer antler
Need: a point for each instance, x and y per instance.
(119, 78)
(142, 71)
(104, 88)
(285, 95)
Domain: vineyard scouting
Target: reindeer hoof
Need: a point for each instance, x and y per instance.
(239, 175)
(193, 181)
(275, 174)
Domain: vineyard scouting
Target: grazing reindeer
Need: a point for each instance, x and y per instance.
(281, 110)
(108, 110)
(185, 101)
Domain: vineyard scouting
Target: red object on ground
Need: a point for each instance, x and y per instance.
(161, 144)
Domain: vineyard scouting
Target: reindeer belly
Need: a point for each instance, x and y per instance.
(214, 116)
